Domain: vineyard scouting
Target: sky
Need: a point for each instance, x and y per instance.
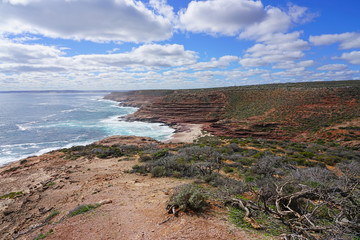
(173, 44)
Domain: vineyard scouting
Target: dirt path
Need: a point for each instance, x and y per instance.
(135, 204)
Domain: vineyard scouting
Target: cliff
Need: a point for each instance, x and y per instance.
(296, 111)
(184, 108)
(137, 98)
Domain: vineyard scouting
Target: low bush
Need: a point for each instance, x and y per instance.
(189, 197)
(82, 209)
(11, 195)
(145, 158)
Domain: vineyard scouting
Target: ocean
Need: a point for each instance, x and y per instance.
(33, 123)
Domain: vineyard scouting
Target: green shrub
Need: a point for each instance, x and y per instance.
(160, 154)
(82, 209)
(11, 195)
(189, 197)
(308, 154)
(158, 171)
(51, 216)
(228, 169)
(42, 236)
(250, 179)
(145, 158)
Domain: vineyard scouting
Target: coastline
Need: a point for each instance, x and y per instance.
(184, 132)
(107, 121)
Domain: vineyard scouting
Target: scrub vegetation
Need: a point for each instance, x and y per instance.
(301, 190)
(284, 159)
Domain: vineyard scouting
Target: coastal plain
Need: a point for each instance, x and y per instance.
(260, 154)
(131, 206)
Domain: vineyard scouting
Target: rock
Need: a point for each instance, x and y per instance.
(107, 201)
(184, 108)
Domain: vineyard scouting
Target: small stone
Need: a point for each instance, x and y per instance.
(106, 201)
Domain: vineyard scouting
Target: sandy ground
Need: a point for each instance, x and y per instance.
(134, 204)
(186, 133)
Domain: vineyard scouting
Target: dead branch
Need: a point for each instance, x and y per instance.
(247, 218)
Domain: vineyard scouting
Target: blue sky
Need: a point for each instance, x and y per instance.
(153, 44)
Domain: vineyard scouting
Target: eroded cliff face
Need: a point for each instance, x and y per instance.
(297, 112)
(138, 98)
(184, 108)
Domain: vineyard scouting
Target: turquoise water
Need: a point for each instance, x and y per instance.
(32, 123)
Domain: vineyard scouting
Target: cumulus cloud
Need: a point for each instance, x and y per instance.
(275, 21)
(275, 48)
(293, 64)
(150, 55)
(163, 9)
(303, 75)
(17, 57)
(347, 40)
(226, 17)
(222, 62)
(46, 67)
(332, 67)
(247, 18)
(96, 20)
(352, 57)
(300, 14)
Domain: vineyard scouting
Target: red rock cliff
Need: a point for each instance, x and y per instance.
(184, 108)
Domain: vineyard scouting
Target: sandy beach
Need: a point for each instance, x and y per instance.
(186, 133)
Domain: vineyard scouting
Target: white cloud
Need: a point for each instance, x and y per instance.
(96, 20)
(275, 21)
(226, 17)
(248, 18)
(347, 40)
(163, 9)
(150, 55)
(17, 57)
(18, 53)
(275, 48)
(327, 73)
(20, 2)
(223, 61)
(274, 45)
(292, 64)
(352, 57)
(300, 14)
(333, 67)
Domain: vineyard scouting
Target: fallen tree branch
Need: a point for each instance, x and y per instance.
(247, 218)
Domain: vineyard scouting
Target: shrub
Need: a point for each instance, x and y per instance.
(266, 165)
(82, 209)
(225, 186)
(11, 195)
(145, 158)
(42, 236)
(160, 154)
(228, 169)
(189, 197)
(208, 141)
(308, 154)
(158, 171)
(51, 216)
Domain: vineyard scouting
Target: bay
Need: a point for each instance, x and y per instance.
(33, 123)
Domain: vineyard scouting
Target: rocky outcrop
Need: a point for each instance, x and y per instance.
(126, 140)
(137, 98)
(197, 107)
